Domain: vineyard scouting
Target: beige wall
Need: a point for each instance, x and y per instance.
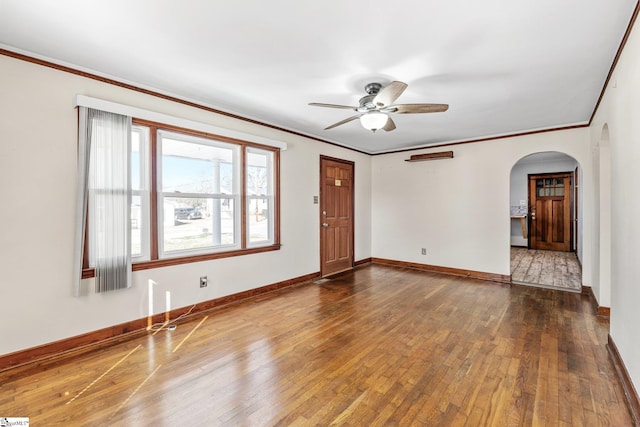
(38, 127)
(615, 139)
(458, 209)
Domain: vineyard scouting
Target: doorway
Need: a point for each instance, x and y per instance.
(336, 215)
(544, 221)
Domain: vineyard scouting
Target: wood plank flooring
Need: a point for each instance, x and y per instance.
(382, 346)
(546, 268)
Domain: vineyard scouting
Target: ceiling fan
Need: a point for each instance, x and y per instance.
(375, 107)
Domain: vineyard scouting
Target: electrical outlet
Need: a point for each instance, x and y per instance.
(424, 251)
(204, 281)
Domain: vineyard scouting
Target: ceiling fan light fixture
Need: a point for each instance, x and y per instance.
(374, 109)
(374, 120)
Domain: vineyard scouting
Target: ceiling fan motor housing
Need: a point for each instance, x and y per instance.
(367, 104)
(373, 88)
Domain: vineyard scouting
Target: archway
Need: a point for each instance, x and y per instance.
(601, 281)
(536, 265)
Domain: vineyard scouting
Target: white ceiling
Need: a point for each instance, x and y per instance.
(503, 66)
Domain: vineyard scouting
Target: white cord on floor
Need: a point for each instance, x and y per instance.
(169, 326)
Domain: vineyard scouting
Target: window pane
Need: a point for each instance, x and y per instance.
(140, 209)
(139, 150)
(198, 223)
(198, 194)
(136, 226)
(259, 224)
(259, 192)
(191, 165)
(257, 174)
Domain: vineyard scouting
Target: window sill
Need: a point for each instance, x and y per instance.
(156, 263)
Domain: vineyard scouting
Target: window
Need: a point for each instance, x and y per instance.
(199, 194)
(259, 194)
(195, 196)
(140, 194)
(546, 187)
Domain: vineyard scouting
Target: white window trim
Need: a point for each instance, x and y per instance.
(140, 113)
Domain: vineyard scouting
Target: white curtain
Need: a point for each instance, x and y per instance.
(104, 191)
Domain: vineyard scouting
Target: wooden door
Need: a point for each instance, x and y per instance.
(550, 211)
(336, 215)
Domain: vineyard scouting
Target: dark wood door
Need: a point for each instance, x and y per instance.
(336, 215)
(550, 211)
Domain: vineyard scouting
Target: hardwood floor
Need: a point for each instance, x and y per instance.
(378, 346)
(552, 269)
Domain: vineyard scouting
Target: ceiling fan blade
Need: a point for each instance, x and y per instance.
(389, 94)
(389, 126)
(341, 122)
(342, 107)
(419, 108)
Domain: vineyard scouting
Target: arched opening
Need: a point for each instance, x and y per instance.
(601, 280)
(546, 225)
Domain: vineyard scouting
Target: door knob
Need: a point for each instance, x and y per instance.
(324, 224)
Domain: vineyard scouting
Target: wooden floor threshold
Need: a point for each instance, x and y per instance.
(555, 288)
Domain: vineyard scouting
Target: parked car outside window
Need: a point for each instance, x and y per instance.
(187, 213)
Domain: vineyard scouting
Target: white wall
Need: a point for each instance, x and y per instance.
(601, 160)
(458, 209)
(619, 111)
(38, 134)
